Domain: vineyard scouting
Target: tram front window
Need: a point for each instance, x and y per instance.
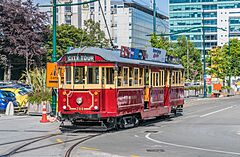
(93, 75)
(68, 75)
(79, 75)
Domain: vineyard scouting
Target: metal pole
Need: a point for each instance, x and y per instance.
(187, 60)
(54, 59)
(154, 16)
(229, 50)
(204, 61)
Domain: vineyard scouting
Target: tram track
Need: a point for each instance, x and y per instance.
(20, 149)
(70, 149)
(36, 139)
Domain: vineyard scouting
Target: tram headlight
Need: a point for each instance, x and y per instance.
(64, 107)
(79, 101)
(95, 107)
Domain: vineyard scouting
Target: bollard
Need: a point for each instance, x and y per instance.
(10, 109)
(44, 113)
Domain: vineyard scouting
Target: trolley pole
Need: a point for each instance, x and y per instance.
(154, 16)
(54, 52)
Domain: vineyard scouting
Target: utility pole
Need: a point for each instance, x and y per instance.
(154, 16)
(204, 60)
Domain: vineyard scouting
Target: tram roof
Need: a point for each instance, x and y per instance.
(114, 56)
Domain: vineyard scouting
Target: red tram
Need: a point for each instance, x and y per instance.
(101, 88)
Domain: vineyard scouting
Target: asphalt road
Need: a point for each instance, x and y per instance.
(208, 128)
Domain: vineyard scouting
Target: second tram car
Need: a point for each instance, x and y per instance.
(101, 88)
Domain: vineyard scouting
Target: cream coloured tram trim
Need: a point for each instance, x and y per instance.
(177, 77)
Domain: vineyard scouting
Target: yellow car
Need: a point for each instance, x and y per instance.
(21, 95)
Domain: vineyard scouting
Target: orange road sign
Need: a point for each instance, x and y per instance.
(52, 75)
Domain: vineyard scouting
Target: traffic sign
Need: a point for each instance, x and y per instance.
(52, 75)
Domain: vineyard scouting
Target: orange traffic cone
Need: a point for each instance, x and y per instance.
(44, 113)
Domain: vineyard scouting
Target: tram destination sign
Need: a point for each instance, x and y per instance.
(80, 58)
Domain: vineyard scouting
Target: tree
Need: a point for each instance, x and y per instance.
(219, 63)
(233, 68)
(23, 30)
(70, 36)
(184, 50)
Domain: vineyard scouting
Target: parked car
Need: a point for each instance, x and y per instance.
(21, 95)
(5, 98)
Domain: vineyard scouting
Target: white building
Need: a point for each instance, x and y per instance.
(129, 23)
(229, 20)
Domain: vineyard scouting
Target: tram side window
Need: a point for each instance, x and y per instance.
(131, 74)
(68, 75)
(173, 78)
(141, 77)
(146, 76)
(93, 75)
(110, 75)
(120, 76)
(136, 76)
(125, 76)
(79, 75)
(161, 78)
(157, 79)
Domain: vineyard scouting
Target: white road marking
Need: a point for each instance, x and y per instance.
(191, 147)
(238, 133)
(136, 135)
(216, 111)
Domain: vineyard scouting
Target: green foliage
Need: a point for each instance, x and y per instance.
(219, 63)
(184, 50)
(197, 88)
(70, 36)
(223, 65)
(36, 79)
(234, 59)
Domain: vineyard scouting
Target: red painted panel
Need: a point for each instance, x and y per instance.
(156, 96)
(176, 96)
(130, 100)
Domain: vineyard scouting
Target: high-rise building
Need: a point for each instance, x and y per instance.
(220, 18)
(129, 22)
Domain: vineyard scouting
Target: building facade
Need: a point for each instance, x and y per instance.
(217, 19)
(129, 22)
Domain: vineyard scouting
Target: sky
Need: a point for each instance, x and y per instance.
(162, 4)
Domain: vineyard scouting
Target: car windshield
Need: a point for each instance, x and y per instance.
(8, 94)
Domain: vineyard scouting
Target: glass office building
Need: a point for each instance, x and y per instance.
(217, 17)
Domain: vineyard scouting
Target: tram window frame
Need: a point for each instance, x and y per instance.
(141, 77)
(161, 78)
(109, 77)
(68, 75)
(61, 74)
(131, 76)
(136, 77)
(94, 79)
(81, 76)
(147, 74)
(125, 76)
(120, 77)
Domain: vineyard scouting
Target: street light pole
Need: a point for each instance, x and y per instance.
(54, 58)
(204, 61)
(229, 50)
(154, 16)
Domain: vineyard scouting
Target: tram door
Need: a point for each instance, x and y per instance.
(147, 75)
(167, 88)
